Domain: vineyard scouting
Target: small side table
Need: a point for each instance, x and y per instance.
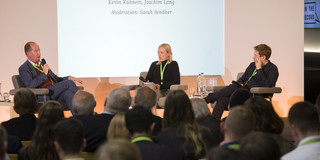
(12, 112)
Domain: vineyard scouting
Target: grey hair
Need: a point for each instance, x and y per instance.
(200, 108)
(118, 100)
(83, 103)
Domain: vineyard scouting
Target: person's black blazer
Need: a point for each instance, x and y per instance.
(153, 151)
(171, 74)
(95, 129)
(214, 126)
(21, 127)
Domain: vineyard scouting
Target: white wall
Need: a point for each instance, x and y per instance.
(278, 23)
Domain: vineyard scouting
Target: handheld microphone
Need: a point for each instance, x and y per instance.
(142, 79)
(43, 62)
(50, 73)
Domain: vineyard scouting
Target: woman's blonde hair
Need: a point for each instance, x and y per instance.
(117, 128)
(167, 47)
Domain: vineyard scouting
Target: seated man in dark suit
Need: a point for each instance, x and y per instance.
(147, 98)
(260, 73)
(96, 127)
(25, 103)
(140, 124)
(36, 75)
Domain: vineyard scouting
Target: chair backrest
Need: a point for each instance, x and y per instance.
(239, 75)
(143, 75)
(17, 82)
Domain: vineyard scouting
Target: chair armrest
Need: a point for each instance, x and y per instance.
(179, 87)
(130, 87)
(36, 91)
(265, 90)
(161, 102)
(214, 88)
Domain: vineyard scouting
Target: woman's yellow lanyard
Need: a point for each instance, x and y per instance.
(162, 71)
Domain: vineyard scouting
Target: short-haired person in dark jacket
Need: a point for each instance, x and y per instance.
(164, 72)
(25, 104)
(140, 124)
(260, 73)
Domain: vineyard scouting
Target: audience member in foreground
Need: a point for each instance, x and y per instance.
(267, 120)
(83, 103)
(42, 145)
(204, 118)
(259, 146)
(118, 149)
(25, 103)
(69, 139)
(117, 128)
(3, 144)
(239, 123)
(304, 123)
(146, 97)
(96, 127)
(140, 124)
(180, 130)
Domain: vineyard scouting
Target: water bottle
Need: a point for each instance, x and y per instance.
(203, 85)
(199, 84)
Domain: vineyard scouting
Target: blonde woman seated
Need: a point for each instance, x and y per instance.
(164, 72)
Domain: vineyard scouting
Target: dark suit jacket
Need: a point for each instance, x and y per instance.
(171, 74)
(21, 127)
(30, 78)
(158, 125)
(95, 129)
(214, 126)
(153, 151)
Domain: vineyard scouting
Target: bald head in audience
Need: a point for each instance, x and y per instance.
(118, 100)
(83, 103)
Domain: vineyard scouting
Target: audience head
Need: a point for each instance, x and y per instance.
(259, 146)
(69, 137)
(43, 138)
(239, 123)
(117, 128)
(139, 120)
(178, 109)
(3, 142)
(200, 108)
(25, 101)
(164, 53)
(264, 50)
(223, 153)
(267, 120)
(304, 120)
(145, 97)
(118, 149)
(178, 113)
(118, 100)
(83, 103)
(238, 97)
